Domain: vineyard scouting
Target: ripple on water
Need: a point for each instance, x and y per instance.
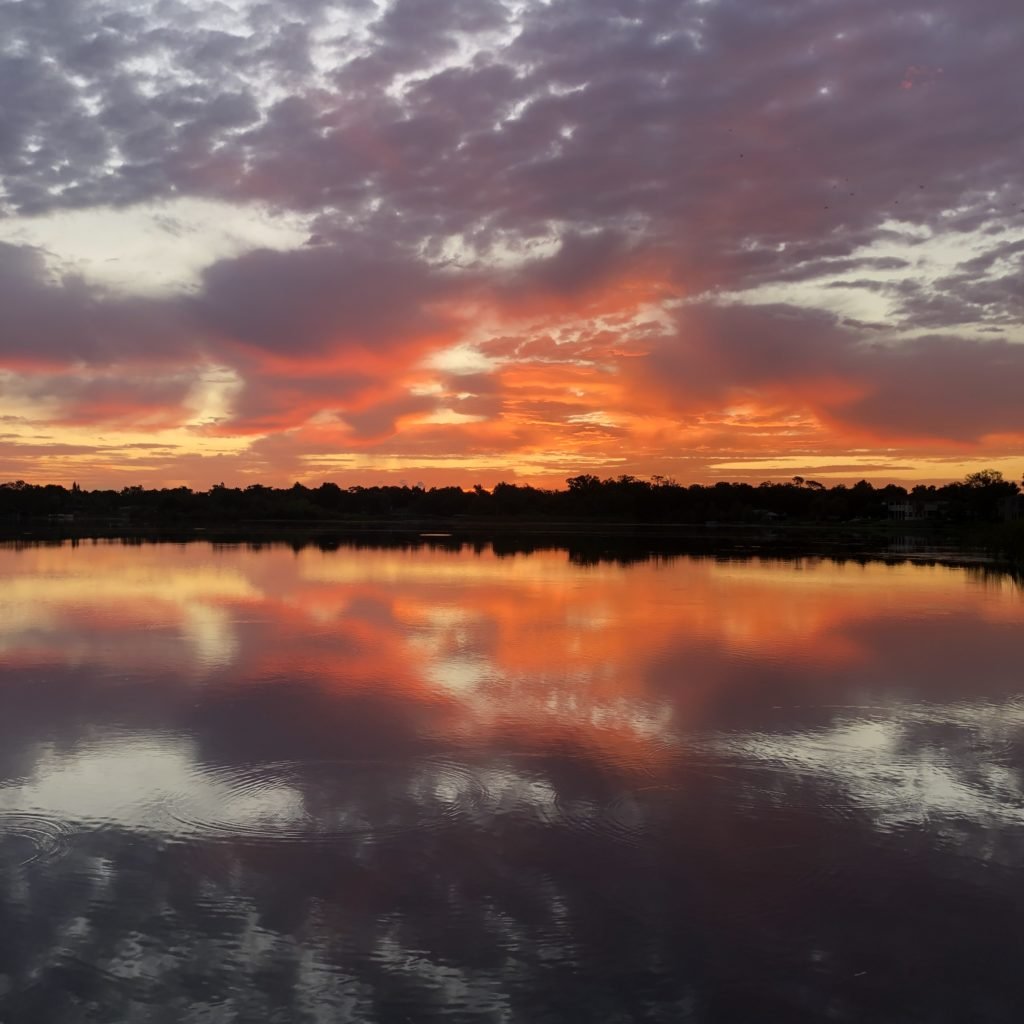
(327, 801)
(621, 819)
(26, 837)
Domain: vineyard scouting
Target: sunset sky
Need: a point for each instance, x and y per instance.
(464, 241)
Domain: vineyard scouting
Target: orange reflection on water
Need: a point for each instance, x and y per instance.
(622, 658)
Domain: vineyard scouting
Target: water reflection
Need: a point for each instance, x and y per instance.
(412, 784)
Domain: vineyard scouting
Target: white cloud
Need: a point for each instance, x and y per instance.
(155, 248)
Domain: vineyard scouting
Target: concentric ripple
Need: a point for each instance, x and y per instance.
(26, 838)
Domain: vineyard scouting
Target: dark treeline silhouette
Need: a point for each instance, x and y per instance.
(982, 497)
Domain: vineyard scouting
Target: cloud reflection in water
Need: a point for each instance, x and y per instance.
(377, 783)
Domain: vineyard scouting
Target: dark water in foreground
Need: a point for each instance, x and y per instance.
(415, 785)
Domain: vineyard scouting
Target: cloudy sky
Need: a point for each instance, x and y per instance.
(462, 241)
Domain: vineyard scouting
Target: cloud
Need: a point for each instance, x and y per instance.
(50, 321)
(676, 118)
(551, 184)
(317, 299)
(264, 315)
(936, 387)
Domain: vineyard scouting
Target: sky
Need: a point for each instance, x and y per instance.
(466, 241)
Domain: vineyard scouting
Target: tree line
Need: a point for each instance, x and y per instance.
(984, 496)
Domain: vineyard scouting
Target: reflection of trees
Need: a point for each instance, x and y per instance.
(623, 547)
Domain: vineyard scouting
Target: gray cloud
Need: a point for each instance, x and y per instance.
(938, 386)
(319, 298)
(48, 321)
(731, 144)
(704, 125)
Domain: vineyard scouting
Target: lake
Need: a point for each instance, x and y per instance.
(444, 782)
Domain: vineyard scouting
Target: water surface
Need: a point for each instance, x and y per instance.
(438, 783)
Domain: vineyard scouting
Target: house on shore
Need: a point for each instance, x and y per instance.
(915, 510)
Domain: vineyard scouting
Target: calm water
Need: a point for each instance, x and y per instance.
(412, 785)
